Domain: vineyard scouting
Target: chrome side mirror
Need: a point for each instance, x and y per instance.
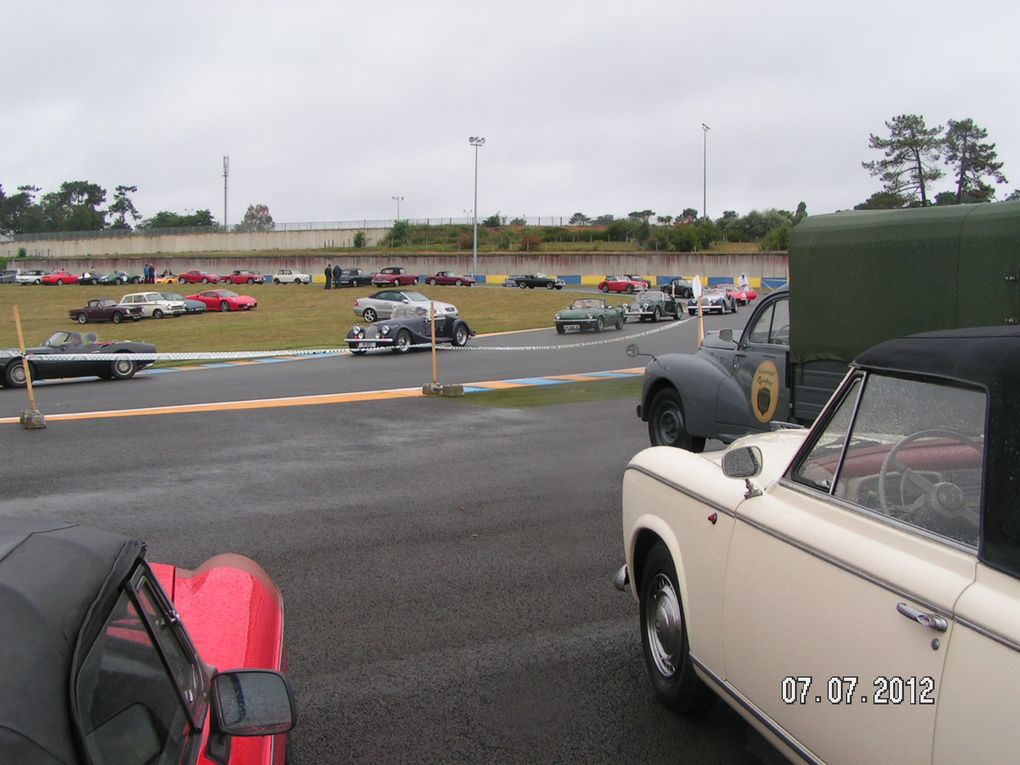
(633, 351)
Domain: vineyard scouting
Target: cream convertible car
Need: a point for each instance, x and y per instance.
(851, 590)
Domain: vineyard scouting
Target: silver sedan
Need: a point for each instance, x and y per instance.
(382, 304)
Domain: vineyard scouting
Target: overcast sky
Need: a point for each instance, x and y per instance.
(329, 109)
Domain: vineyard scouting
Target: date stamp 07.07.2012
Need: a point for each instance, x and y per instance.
(847, 689)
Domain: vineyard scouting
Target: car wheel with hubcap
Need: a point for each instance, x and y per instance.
(402, 342)
(667, 425)
(656, 314)
(122, 369)
(522, 285)
(460, 336)
(600, 324)
(664, 636)
(370, 315)
(432, 282)
(620, 321)
(605, 288)
(82, 317)
(205, 280)
(14, 375)
(550, 285)
(458, 283)
(224, 306)
(116, 317)
(157, 314)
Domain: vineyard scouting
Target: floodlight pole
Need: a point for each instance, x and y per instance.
(704, 171)
(477, 142)
(226, 172)
(398, 200)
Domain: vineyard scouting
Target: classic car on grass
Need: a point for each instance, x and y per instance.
(590, 313)
(243, 277)
(30, 276)
(190, 306)
(713, 301)
(530, 281)
(353, 277)
(60, 277)
(382, 304)
(853, 590)
(410, 325)
(290, 276)
(394, 276)
(225, 300)
(654, 305)
(105, 309)
(115, 278)
(123, 368)
(628, 283)
(154, 305)
(111, 659)
(450, 279)
(198, 277)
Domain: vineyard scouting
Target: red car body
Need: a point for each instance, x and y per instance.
(446, 278)
(627, 283)
(743, 296)
(225, 300)
(243, 277)
(231, 589)
(394, 276)
(60, 277)
(198, 277)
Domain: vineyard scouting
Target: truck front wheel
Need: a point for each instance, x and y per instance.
(667, 425)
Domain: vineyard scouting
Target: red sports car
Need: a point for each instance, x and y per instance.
(243, 277)
(394, 276)
(60, 277)
(742, 296)
(109, 658)
(628, 283)
(198, 277)
(450, 278)
(225, 300)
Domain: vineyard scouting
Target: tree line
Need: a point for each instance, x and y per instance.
(82, 206)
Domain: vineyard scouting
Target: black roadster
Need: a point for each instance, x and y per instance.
(408, 327)
(74, 343)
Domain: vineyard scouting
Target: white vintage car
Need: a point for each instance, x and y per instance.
(155, 305)
(852, 590)
(289, 276)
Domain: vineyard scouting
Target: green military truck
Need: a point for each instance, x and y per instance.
(856, 279)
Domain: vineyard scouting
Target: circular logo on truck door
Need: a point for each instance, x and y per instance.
(765, 391)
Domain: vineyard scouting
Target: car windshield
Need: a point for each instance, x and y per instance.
(173, 296)
(588, 303)
(226, 293)
(652, 297)
(416, 297)
(62, 338)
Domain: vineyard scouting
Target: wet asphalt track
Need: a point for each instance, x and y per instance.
(445, 567)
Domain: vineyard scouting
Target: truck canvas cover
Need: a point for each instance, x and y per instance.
(861, 277)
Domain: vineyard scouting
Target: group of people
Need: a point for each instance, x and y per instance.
(333, 274)
(149, 274)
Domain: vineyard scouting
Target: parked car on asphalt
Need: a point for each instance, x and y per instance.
(289, 276)
(743, 296)
(111, 659)
(410, 325)
(394, 276)
(190, 306)
(243, 277)
(851, 589)
(449, 278)
(59, 277)
(539, 280)
(73, 342)
(382, 304)
(679, 289)
(153, 304)
(654, 305)
(225, 300)
(105, 309)
(713, 301)
(590, 313)
(628, 283)
(198, 277)
(353, 277)
(31, 276)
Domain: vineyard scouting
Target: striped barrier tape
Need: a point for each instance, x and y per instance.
(242, 355)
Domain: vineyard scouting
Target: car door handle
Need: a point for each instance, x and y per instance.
(931, 621)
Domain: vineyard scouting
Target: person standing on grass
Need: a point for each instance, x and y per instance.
(329, 275)
(337, 273)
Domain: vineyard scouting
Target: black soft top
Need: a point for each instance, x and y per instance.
(57, 584)
(986, 358)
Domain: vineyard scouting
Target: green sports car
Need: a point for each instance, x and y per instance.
(590, 313)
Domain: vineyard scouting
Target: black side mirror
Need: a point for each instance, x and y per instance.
(252, 702)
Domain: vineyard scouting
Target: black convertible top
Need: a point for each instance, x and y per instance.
(53, 578)
(987, 358)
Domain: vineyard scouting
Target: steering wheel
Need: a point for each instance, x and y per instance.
(944, 498)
